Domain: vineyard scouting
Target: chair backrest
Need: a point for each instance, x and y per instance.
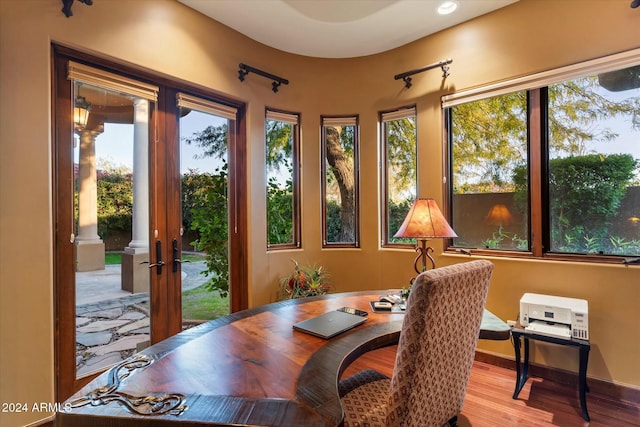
(437, 344)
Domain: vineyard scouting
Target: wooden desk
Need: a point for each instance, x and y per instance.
(248, 368)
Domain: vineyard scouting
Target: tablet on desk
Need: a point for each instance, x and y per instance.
(330, 324)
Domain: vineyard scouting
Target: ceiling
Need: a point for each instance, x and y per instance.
(339, 28)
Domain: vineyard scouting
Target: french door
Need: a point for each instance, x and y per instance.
(131, 157)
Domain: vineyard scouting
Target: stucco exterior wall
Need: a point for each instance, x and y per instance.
(166, 37)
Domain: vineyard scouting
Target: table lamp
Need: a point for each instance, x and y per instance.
(424, 221)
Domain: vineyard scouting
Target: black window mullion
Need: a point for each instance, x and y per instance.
(543, 166)
(537, 137)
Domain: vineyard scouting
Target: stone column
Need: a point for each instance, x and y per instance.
(140, 222)
(90, 247)
(135, 276)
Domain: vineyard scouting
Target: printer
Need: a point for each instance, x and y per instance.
(555, 316)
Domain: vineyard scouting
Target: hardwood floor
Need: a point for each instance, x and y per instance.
(541, 402)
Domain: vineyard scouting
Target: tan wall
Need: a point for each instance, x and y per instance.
(165, 36)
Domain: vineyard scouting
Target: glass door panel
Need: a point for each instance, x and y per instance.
(111, 226)
(204, 175)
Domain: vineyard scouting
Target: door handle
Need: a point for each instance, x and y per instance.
(159, 263)
(176, 256)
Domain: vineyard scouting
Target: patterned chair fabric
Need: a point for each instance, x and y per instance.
(435, 353)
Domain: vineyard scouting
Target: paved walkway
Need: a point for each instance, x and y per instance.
(112, 324)
(104, 285)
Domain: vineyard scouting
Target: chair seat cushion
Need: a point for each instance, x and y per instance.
(364, 399)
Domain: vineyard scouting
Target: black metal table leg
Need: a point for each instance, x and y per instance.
(516, 347)
(582, 381)
(522, 371)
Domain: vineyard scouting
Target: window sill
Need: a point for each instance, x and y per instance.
(595, 259)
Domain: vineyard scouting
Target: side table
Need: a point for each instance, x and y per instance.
(522, 371)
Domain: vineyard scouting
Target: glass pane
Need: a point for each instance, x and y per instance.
(594, 171)
(111, 205)
(280, 176)
(490, 173)
(205, 241)
(340, 184)
(401, 173)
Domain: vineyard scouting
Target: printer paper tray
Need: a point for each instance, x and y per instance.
(543, 328)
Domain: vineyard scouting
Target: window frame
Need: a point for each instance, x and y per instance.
(395, 114)
(295, 119)
(538, 152)
(343, 120)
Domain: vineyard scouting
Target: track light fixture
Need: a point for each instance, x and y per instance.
(66, 6)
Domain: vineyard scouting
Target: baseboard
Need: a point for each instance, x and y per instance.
(45, 422)
(620, 392)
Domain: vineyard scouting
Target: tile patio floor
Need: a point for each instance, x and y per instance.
(112, 324)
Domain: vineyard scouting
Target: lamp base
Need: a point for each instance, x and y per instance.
(423, 253)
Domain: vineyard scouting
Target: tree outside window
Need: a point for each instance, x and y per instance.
(340, 185)
(283, 194)
(399, 174)
(488, 144)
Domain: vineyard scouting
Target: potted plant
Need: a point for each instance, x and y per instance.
(304, 281)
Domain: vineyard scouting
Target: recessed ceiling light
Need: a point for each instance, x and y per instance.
(447, 7)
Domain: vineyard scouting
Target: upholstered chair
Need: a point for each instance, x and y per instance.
(435, 354)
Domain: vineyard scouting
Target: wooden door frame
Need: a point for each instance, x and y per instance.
(164, 290)
(167, 319)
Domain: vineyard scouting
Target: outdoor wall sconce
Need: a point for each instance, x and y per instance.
(406, 76)
(246, 69)
(66, 6)
(81, 110)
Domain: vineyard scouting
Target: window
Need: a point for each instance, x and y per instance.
(340, 222)
(489, 145)
(282, 172)
(594, 169)
(549, 165)
(399, 171)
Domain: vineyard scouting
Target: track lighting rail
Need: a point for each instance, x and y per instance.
(246, 69)
(406, 76)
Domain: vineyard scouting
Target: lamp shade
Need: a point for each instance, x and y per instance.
(499, 215)
(426, 221)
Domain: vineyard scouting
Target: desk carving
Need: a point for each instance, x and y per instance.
(166, 404)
